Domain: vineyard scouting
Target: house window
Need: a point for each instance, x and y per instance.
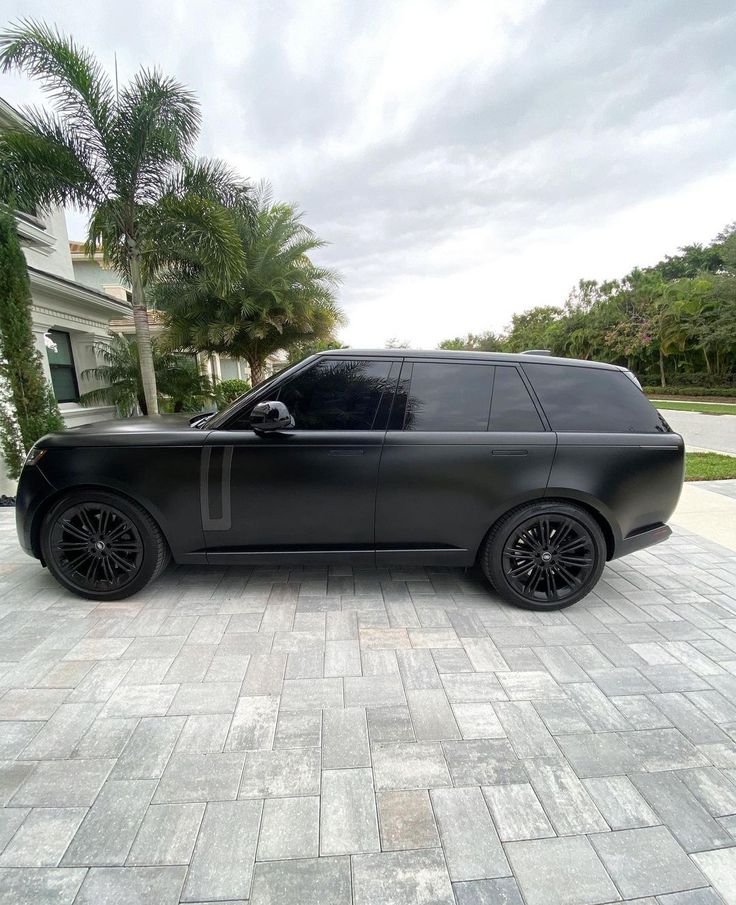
(61, 362)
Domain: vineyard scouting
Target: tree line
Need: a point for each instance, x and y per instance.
(672, 323)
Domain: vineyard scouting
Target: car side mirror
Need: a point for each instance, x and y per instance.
(267, 417)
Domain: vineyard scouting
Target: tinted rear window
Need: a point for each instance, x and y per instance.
(592, 399)
(512, 408)
(449, 396)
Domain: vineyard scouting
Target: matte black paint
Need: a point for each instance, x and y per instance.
(380, 496)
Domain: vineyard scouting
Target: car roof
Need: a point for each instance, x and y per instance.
(460, 355)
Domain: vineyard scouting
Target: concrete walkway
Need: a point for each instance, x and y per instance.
(708, 508)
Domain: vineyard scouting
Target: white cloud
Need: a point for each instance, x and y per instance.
(466, 159)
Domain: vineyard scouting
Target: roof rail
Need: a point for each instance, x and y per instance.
(536, 352)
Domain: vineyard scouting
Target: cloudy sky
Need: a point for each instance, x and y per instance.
(465, 159)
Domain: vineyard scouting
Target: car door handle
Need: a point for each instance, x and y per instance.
(349, 451)
(509, 451)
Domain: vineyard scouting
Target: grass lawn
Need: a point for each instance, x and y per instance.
(711, 408)
(709, 466)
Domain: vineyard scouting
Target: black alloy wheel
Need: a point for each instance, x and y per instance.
(545, 556)
(101, 546)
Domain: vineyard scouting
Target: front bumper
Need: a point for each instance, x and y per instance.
(641, 539)
(34, 490)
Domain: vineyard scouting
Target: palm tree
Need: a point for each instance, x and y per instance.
(119, 369)
(281, 298)
(126, 157)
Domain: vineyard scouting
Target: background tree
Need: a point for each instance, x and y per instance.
(306, 347)
(179, 382)
(126, 157)
(28, 409)
(281, 299)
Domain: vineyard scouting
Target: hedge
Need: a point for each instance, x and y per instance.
(690, 391)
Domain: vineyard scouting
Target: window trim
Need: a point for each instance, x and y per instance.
(72, 366)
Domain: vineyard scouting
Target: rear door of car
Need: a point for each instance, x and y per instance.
(465, 443)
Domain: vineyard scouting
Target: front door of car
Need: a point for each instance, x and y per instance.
(274, 497)
(465, 444)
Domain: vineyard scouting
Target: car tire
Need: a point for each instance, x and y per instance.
(102, 546)
(545, 555)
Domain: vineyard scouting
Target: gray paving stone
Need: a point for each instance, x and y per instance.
(483, 762)
(289, 829)
(284, 773)
(562, 717)
(43, 838)
(348, 821)
(298, 729)
(646, 862)
(621, 681)
(431, 714)
(131, 886)
(564, 798)
(451, 660)
(200, 777)
(531, 686)
(525, 730)
(106, 737)
(712, 788)
(61, 733)
(254, 724)
(704, 896)
(598, 753)
(477, 687)
(720, 868)
(684, 815)
(148, 750)
(406, 820)
(488, 892)
(619, 802)
(100, 682)
(411, 765)
(265, 675)
(675, 677)
(311, 694)
(563, 871)
(597, 710)
(517, 812)
(418, 669)
(204, 733)
(39, 886)
(342, 658)
(10, 820)
(140, 700)
(63, 783)
(167, 834)
(469, 839)
(12, 776)
(401, 878)
(389, 724)
(663, 749)
(477, 720)
(109, 828)
(31, 703)
(320, 880)
(15, 736)
(205, 697)
(373, 691)
(345, 739)
(686, 717)
(640, 713)
(222, 864)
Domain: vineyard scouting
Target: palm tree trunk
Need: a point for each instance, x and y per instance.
(257, 369)
(143, 335)
(662, 379)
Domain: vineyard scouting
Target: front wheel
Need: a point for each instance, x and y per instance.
(544, 556)
(102, 546)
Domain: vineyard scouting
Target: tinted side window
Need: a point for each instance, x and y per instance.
(592, 399)
(512, 408)
(337, 394)
(449, 396)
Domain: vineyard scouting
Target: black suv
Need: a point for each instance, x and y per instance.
(538, 469)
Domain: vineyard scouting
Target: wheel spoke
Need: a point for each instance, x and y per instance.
(74, 531)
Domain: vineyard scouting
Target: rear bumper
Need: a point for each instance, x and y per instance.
(641, 539)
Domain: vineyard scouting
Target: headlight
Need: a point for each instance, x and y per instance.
(34, 456)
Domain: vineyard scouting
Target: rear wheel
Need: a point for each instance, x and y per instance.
(102, 546)
(544, 556)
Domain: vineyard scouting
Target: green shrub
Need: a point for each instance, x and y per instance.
(227, 391)
(690, 391)
(28, 409)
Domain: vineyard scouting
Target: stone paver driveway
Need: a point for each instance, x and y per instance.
(382, 738)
